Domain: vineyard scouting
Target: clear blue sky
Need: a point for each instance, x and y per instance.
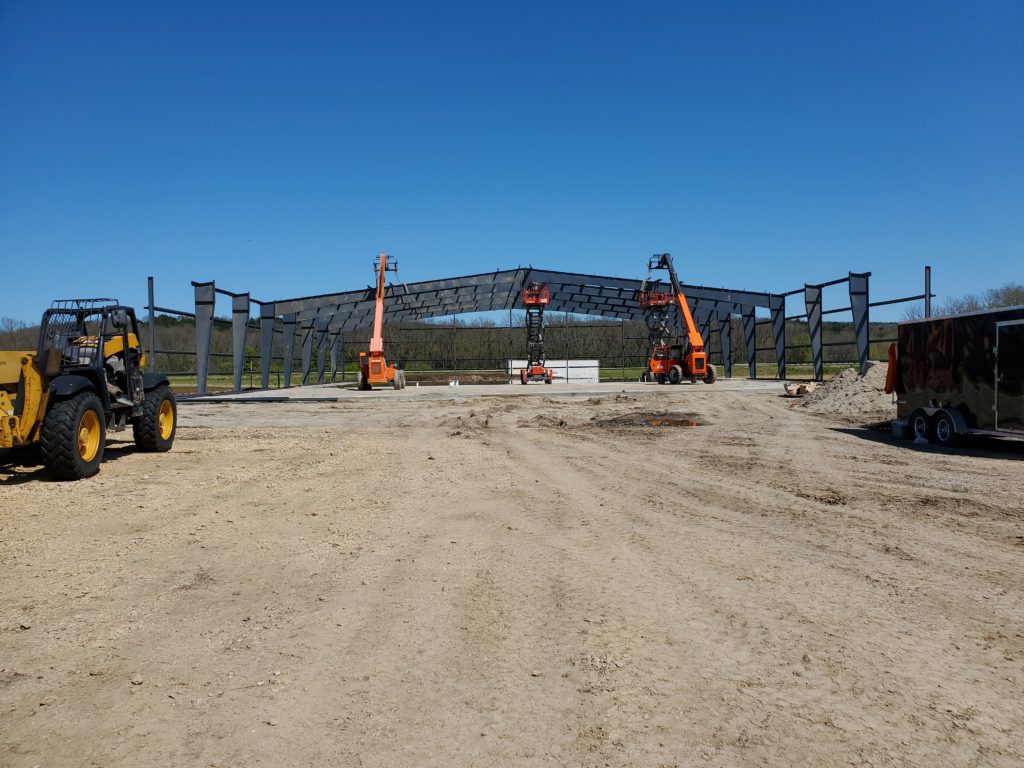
(278, 146)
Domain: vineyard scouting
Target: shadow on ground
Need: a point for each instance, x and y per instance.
(970, 445)
(23, 465)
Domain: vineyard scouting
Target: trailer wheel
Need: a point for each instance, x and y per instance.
(944, 429)
(920, 424)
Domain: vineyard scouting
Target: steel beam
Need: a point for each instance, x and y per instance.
(860, 307)
(812, 301)
(320, 327)
(239, 326)
(777, 309)
(267, 319)
(289, 347)
(335, 337)
(206, 296)
(725, 337)
(750, 339)
(307, 349)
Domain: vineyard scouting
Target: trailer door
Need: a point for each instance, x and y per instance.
(1010, 375)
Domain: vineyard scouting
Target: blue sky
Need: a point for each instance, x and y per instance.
(276, 147)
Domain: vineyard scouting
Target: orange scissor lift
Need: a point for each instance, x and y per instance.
(536, 297)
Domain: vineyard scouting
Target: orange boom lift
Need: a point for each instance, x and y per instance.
(672, 362)
(373, 368)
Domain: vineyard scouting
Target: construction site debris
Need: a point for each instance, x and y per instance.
(852, 397)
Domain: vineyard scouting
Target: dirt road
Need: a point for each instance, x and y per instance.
(516, 581)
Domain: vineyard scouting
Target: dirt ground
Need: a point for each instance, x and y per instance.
(517, 580)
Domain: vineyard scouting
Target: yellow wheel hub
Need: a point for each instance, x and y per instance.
(89, 435)
(166, 419)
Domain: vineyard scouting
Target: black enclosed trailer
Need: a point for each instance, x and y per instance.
(962, 374)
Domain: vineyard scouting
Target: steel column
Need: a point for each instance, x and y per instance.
(725, 339)
(812, 301)
(152, 326)
(777, 307)
(927, 291)
(334, 356)
(239, 326)
(320, 327)
(206, 295)
(289, 347)
(860, 306)
(267, 317)
(307, 349)
(750, 339)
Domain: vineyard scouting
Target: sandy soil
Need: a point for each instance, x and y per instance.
(517, 581)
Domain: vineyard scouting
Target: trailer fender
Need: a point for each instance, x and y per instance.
(890, 372)
(69, 386)
(154, 380)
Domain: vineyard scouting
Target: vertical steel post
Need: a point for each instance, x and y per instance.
(725, 340)
(239, 326)
(860, 307)
(777, 308)
(750, 339)
(289, 347)
(927, 291)
(321, 347)
(307, 349)
(206, 296)
(334, 356)
(812, 301)
(152, 326)
(268, 314)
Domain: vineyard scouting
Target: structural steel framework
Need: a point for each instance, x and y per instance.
(324, 319)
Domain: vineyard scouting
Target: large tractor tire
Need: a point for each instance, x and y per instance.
(73, 437)
(363, 385)
(711, 376)
(154, 429)
(675, 375)
(399, 382)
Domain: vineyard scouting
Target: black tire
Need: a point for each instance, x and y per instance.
(660, 378)
(59, 439)
(920, 424)
(944, 429)
(712, 375)
(363, 385)
(675, 375)
(151, 433)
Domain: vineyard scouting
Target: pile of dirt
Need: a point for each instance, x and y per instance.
(852, 397)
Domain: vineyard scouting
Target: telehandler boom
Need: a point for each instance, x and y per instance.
(373, 368)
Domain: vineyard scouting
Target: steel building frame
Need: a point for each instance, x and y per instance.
(324, 319)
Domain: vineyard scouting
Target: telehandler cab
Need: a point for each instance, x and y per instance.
(84, 380)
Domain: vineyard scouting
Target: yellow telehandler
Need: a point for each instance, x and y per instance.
(84, 380)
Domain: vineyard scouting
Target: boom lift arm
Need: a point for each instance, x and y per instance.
(670, 362)
(373, 368)
(664, 261)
